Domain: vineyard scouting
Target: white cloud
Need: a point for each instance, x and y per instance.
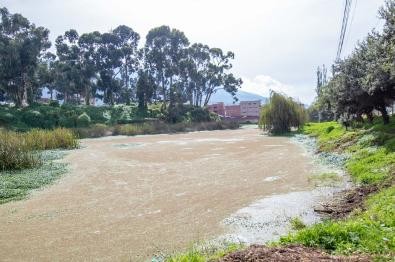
(262, 84)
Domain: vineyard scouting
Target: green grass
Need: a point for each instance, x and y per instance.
(371, 166)
(211, 253)
(372, 162)
(22, 150)
(297, 223)
(325, 179)
(15, 152)
(16, 185)
(59, 138)
(371, 148)
(327, 133)
(371, 231)
(24, 165)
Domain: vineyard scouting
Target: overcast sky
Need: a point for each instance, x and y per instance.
(278, 43)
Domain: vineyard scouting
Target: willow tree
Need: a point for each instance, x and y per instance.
(281, 114)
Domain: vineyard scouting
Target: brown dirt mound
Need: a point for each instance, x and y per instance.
(349, 200)
(346, 201)
(257, 253)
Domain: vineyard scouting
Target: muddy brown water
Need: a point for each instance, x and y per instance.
(128, 198)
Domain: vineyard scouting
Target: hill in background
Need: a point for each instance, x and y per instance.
(222, 96)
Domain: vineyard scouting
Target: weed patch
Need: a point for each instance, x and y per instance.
(325, 179)
(22, 150)
(15, 185)
(203, 254)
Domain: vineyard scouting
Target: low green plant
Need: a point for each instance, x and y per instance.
(59, 138)
(371, 166)
(325, 179)
(22, 150)
(297, 223)
(329, 129)
(96, 130)
(15, 152)
(203, 254)
(371, 161)
(134, 129)
(327, 141)
(17, 184)
(83, 120)
(371, 231)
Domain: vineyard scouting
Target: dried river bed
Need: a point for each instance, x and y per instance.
(129, 198)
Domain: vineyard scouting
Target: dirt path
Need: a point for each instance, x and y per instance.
(127, 198)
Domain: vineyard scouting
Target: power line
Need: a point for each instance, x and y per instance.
(344, 28)
(346, 15)
(351, 22)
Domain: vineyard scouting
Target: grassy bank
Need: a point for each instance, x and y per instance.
(370, 230)
(26, 162)
(151, 127)
(16, 184)
(23, 150)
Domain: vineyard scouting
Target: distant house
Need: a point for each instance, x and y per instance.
(233, 111)
(246, 109)
(218, 108)
(250, 108)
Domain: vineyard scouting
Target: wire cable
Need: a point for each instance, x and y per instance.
(346, 16)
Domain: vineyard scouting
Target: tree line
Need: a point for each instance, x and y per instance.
(364, 82)
(111, 66)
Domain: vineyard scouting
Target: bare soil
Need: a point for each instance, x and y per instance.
(127, 198)
(257, 253)
(345, 202)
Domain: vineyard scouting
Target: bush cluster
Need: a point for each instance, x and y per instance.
(22, 150)
(72, 116)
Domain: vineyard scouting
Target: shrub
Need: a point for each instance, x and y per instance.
(68, 121)
(124, 118)
(54, 103)
(329, 129)
(83, 120)
(60, 138)
(198, 114)
(20, 150)
(297, 223)
(134, 129)
(33, 118)
(6, 118)
(15, 153)
(16, 184)
(96, 130)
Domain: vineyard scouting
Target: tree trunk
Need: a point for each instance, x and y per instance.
(370, 117)
(207, 99)
(66, 97)
(87, 95)
(24, 90)
(360, 118)
(384, 114)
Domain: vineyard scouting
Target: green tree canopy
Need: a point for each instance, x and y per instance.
(281, 114)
